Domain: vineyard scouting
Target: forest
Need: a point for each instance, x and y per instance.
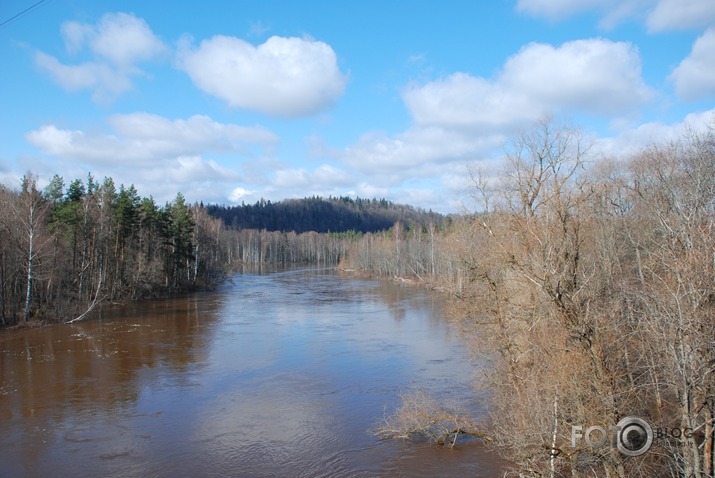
(588, 286)
(67, 248)
(317, 214)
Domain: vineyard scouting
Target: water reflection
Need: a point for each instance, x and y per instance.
(277, 374)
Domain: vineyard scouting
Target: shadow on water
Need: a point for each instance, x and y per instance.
(278, 373)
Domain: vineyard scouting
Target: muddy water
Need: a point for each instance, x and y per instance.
(275, 375)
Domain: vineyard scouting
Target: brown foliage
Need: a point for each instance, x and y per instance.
(595, 287)
(588, 284)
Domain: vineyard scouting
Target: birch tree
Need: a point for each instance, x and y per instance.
(29, 213)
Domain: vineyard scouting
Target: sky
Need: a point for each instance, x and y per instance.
(234, 101)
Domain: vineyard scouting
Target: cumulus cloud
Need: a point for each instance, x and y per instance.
(189, 169)
(105, 82)
(464, 118)
(694, 77)
(466, 101)
(160, 154)
(197, 178)
(323, 177)
(117, 43)
(595, 76)
(238, 194)
(123, 39)
(422, 166)
(286, 77)
(281, 181)
(633, 140)
(141, 137)
(416, 152)
(681, 14)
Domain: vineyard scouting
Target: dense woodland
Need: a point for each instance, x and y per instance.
(589, 285)
(63, 251)
(67, 248)
(321, 215)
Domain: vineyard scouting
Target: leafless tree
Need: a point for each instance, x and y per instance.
(28, 210)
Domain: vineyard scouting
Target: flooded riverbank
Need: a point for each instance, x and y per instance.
(276, 374)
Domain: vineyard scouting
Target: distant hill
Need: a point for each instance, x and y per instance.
(334, 214)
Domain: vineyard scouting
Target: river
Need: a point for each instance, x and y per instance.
(276, 374)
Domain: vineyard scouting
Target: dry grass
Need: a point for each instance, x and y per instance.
(421, 417)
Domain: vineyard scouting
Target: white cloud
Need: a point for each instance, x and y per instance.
(465, 101)
(141, 137)
(160, 156)
(416, 152)
(464, 118)
(634, 140)
(198, 179)
(281, 182)
(557, 9)
(658, 15)
(324, 176)
(285, 182)
(189, 169)
(596, 76)
(105, 81)
(196, 134)
(76, 35)
(694, 77)
(238, 194)
(286, 77)
(681, 14)
(369, 190)
(124, 40)
(117, 43)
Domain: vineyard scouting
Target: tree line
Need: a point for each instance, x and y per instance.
(322, 215)
(589, 285)
(63, 251)
(67, 248)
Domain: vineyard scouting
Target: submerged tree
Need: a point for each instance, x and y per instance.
(422, 417)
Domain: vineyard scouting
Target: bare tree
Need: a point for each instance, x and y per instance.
(674, 190)
(536, 276)
(588, 284)
(29, 212)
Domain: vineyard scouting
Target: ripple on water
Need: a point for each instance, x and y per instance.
(275, 375)
(84, 434)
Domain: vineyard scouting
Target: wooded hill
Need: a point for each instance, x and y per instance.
(318, 214)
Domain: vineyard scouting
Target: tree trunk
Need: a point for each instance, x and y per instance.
(28, 295)
(554, 436)
(709, 436)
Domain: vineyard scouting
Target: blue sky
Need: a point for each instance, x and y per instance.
(234, 101)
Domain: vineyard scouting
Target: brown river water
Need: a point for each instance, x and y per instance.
(276, 374)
